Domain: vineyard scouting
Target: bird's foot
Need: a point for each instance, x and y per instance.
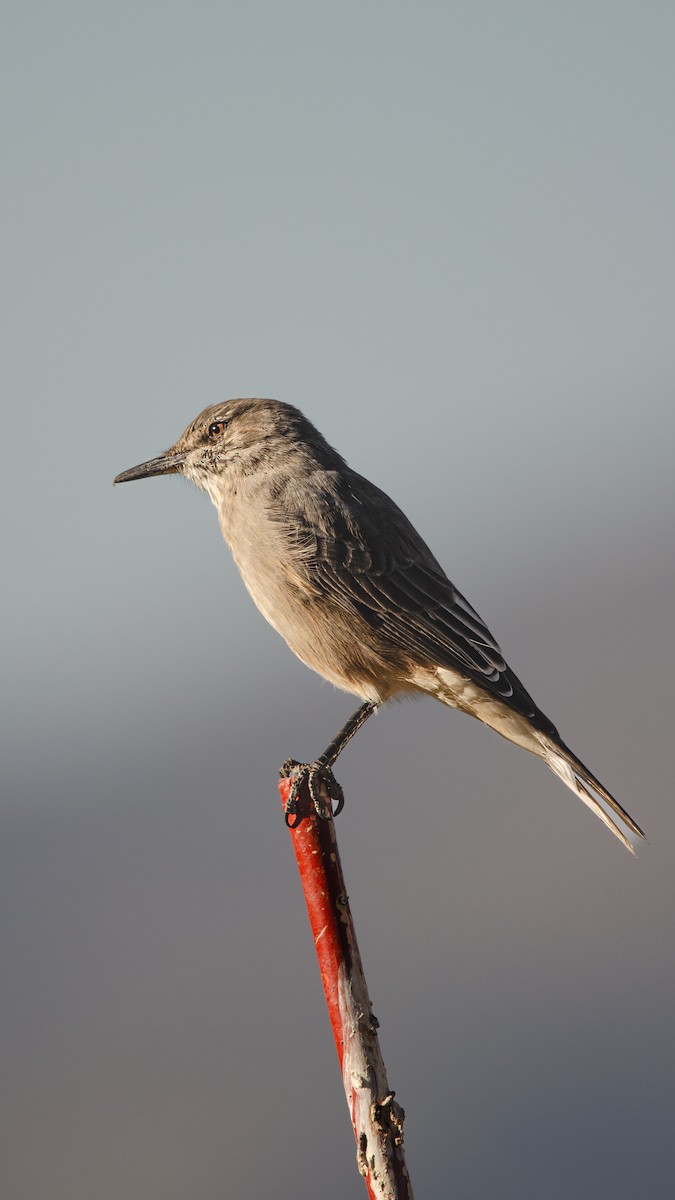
(324, 790)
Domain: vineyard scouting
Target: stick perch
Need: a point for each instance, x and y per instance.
(377, 1119)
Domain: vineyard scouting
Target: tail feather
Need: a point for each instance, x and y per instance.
(579, 779)
(534, 733)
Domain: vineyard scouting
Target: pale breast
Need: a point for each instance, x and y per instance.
(336, 643)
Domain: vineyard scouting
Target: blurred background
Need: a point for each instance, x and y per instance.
(445, 232)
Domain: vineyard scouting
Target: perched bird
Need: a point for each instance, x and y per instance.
(338, 570)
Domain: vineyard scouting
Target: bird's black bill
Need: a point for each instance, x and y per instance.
(166, 464)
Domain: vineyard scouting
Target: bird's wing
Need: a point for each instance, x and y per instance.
(369, 558)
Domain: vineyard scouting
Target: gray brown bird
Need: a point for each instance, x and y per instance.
(338, 570)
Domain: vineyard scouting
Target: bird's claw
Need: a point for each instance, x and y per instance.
(325, 792)
(328, 797)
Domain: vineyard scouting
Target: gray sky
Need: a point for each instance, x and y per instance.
(446, 233)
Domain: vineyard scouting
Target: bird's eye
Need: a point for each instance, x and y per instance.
(216, 429)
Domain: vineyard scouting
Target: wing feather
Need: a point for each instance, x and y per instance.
(369, 559)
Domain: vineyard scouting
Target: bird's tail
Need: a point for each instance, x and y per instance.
(538, 736)
(579, 779)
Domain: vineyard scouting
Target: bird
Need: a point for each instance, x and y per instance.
(339, 571)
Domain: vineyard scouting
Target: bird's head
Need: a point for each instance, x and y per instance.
(239, 435)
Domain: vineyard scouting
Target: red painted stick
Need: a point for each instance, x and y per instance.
(376, 1117)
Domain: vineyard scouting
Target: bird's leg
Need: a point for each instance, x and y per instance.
(324, 788)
